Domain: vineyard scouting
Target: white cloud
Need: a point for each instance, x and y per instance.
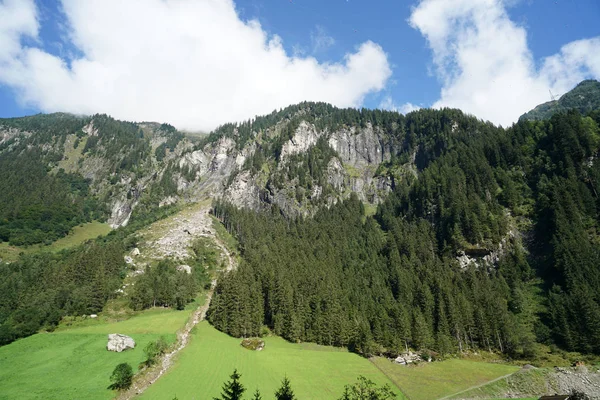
(320, 40)
(485, 65)
(387, 103)
(192, 63)
(18, 17)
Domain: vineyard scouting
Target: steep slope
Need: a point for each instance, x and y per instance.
(585, 97)
(492, 245)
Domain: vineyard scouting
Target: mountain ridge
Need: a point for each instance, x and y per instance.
(583, 98)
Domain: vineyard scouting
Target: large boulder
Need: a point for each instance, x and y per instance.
(119, 343)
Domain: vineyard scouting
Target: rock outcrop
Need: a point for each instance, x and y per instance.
(118, 342)
(409, 358)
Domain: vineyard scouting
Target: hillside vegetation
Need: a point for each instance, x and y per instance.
(378, 285)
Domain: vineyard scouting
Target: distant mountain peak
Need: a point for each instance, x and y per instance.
(585, 97)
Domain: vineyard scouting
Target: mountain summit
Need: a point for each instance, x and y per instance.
(584, 98)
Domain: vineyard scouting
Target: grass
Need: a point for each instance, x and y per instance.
(72, 154)
(78, 235)
(523, 383)
(73, 363)
(315, 372)
(439, 379)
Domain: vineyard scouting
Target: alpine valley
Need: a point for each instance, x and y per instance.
(340, 239)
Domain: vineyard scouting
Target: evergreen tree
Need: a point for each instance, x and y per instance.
(232, 389)
(285, 392)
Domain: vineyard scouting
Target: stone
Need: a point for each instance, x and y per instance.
(253, 344)
(408, 358)
(118, 342)
(184, 268)
(128, 260)
(135, 252)
(93, 316)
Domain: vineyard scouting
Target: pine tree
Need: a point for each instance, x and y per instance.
(257, 395)
(285, 392)
(365, 389)
(233, 389)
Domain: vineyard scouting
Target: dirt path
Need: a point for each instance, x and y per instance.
(198, 224)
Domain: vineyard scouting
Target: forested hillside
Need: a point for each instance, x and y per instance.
(526, 196)
(359, 228)
(61, 170)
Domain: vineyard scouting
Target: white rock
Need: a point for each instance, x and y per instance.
(128, 260)
(135, 252)
(93, 316)
(118, 342)
(407, 358)
(184, 268)
(304, 137)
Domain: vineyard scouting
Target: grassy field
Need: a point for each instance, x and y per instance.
(79, 235)
(315, 372)
(439, 379)
(525, 382)
(73, 363)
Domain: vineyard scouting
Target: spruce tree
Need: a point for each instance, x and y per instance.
(285, 392)
(233, 389)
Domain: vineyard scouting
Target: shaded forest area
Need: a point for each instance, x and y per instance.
(36, 205)
(380, 284)
(39, 289)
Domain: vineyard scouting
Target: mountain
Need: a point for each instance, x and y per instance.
(359, 228)
(585, 97)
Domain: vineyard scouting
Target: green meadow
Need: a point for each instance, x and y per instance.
(73, 363)
(78, 235)
(435, 380)
(315, 372)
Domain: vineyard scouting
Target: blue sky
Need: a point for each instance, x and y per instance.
(199, 63)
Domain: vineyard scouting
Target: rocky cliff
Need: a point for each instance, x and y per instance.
(300, 158)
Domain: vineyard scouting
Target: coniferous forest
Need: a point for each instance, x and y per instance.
(379, 284)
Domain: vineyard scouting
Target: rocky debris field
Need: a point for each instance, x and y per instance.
(173, 236)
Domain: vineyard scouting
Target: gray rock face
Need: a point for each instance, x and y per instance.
(360, 147)
(243, 191)
(218, 169)
(360, 152)
(118, 342)
(305, 137)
